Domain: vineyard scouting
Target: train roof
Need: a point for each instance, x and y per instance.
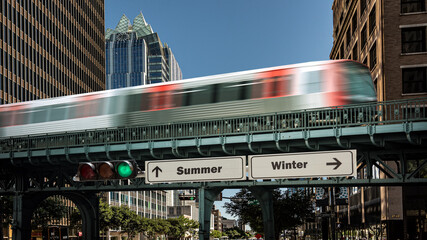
(119, 91)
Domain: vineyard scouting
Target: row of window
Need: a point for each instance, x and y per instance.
(34, 80)
(351, 31)
(114, 196)
(19, 44)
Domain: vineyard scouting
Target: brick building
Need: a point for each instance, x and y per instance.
(389, 36)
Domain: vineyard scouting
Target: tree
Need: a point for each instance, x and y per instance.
(236, 233)
(216, 234)
(124, 218)
(130, 221)
(181, 225)
(105, 216)
(49, 209)
(290, 209)
(158, 227)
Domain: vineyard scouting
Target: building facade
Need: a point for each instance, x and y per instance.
(50, 48)
(148, 204)
(390, 38)
(136, 56)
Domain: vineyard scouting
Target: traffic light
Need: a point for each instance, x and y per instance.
(107, 170)
(187, 197)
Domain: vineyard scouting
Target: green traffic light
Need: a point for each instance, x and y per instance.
(124, 169)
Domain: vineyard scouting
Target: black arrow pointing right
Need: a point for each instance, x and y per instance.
(157, 169)
(337, 163)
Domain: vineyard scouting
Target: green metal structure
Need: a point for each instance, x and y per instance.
(388, 135)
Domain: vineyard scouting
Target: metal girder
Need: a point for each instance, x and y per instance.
(377, 131)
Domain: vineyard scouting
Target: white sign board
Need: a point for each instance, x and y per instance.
(300, 165)
(196, 170)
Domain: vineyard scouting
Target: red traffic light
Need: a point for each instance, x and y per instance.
(87, 171)
(107, 170)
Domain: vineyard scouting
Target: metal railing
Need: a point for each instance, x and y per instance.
(390, 112)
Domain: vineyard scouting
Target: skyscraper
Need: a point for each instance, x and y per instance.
(136, 56)
(50, 48)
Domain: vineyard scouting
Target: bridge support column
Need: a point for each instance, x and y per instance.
(22, 212)
(206, 200)
(265, 198)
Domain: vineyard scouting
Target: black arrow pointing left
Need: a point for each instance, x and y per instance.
(157, 169)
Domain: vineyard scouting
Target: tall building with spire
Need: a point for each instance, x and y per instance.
(136, 56)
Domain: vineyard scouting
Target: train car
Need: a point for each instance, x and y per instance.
(269, 90)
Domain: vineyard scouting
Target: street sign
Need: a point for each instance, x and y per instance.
(196, 170)
(300, 165)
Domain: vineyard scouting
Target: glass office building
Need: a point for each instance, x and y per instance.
(136, 56)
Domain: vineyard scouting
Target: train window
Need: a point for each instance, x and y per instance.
(39, 115)
(134, 103)
(58, 113)
(202, 95)
(257, 89)
(360, 79)
(112, 105)
(232, 92)
(6, 119)
(86, 109)
(310, 81)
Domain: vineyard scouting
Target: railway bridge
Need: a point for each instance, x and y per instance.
(385, 135)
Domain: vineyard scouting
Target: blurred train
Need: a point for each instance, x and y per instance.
(269, 90)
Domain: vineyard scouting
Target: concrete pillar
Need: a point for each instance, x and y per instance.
(265, 198)
(206, 200)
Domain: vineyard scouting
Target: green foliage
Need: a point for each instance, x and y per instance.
(105, 215)
(130, 221)
(49, 209)
(236, 233)
(217, 234)
(290, 210)
(158, 227)
(181, 225)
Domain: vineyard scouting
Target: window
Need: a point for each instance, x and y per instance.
(364, 37)
(372, 20)
(410, 6)
(354, 23)
(362, 6)
(348, 37)
(413, 40)
(414, 80)
(355, 52)
(373, 56)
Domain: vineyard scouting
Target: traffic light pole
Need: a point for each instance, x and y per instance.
(207, 196)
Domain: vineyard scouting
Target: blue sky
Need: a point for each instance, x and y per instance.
(211, 37)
